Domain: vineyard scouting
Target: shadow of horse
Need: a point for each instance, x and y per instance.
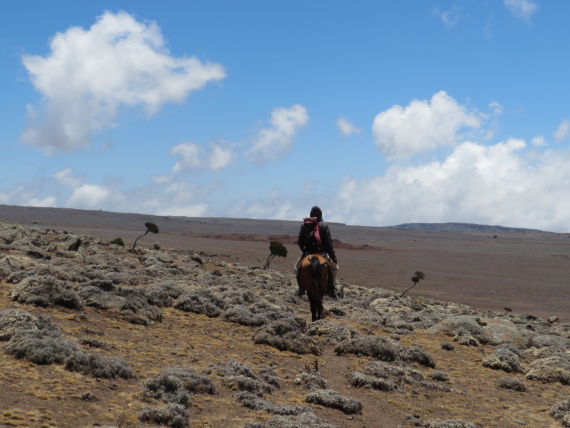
(314, 279)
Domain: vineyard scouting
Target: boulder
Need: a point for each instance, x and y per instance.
(499, 331)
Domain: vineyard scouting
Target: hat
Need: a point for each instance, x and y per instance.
(316, 212)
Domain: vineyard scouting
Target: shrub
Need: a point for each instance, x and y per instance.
(513, 383)
(286, 335)
(40, 346)
(371, 346)
(333, 399)
(562, 411)
(97, 366)
(252, 401)
(118, 241)
(417, 355)
(236, 375)
(172, 415)
(505, 360)
(360, 380)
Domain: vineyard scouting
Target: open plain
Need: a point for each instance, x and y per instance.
(192, 332)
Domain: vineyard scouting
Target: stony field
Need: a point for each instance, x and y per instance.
(96, 334)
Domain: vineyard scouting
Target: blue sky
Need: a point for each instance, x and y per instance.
(381, 112)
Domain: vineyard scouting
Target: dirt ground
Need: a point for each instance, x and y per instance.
(526, 272)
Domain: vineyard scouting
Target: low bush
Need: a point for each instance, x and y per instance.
(334, 400)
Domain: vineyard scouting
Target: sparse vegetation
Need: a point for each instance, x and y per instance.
(150, 227)
(276, 249)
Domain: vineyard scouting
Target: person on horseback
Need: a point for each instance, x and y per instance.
(315, 238)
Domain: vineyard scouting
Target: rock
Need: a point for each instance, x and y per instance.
(12, 232)
(72, 242)
(458, 325)
(499, 331)
(552, 319)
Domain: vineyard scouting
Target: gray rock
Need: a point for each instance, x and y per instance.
(505, 360)
(497, 331)
(12, 232)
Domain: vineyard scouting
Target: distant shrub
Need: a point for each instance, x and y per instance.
(118, 241)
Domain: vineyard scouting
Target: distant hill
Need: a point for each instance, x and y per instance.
(463, 228)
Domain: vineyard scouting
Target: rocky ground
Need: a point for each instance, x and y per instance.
(93, 334)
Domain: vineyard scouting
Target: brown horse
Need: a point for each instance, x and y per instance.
(314, 279)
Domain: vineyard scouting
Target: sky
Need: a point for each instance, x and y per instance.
(380, 112)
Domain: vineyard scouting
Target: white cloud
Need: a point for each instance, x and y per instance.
(522, 9)
(475, 183)
(422, 126)
(347, 128)
(68, 178)
(562, 131)
(539, 141)
(89, 74)
(450, 17)
(220, 157)
(190, 156)
(88, 196)
(274, 143)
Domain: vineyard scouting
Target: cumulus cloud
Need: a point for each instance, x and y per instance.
(522, 9)
(89, 75)
(475, 183)
(422, 125)
(68, 178)
(271, 144)
(347, 128)
(562, 131)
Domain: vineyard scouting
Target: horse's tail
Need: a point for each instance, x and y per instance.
(316, 272)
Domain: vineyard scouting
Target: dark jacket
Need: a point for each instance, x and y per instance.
(326, 241)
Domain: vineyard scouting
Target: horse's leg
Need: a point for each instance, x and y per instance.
(313, 303)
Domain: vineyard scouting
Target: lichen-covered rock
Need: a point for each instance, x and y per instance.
(498, 331)
(462, 325)
(12, 232)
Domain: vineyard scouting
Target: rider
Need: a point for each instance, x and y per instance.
(325, 248)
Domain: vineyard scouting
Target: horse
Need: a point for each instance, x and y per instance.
(314, 279)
